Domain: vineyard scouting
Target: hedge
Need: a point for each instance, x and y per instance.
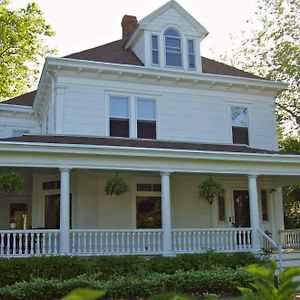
(62, 268)
(220, 280)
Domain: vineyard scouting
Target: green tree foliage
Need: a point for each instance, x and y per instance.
(22, 45)
(291, 194)
(265, 287)
(273, 51)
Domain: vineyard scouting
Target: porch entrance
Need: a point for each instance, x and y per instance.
(241, 208)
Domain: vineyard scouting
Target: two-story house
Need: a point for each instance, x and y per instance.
(150, 108)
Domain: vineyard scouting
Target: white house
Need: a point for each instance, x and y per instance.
(152, 109)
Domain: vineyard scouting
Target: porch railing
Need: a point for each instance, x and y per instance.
(24, 243)
(116, 242)
(219, 239)
(290, 238)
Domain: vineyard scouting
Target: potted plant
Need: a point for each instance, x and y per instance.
(116, 185)
(210, 189)
(11, 182)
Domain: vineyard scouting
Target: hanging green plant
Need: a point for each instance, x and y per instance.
(116, 185)
(210, 189)
(11, 182)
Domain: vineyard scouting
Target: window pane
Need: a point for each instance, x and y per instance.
(240, 135)
(264, 205)
(173, 43)
(155, 57)
(146, 129)
(173, 59)
(191, 46)
(221, 205)
(119, 107)
(154, 42)
(148, 212)
(144, 187)
(172, 32)
(119, 127)
(192, 61)
(146, 109)
(239, 116)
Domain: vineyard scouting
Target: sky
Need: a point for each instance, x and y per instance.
(83, 24)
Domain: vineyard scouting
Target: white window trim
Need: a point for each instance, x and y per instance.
(132, 97)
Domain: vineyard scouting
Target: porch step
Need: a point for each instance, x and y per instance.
(289, 259)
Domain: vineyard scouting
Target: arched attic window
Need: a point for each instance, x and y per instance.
(173, 47)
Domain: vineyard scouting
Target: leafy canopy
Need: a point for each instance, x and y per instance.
(22, 45)
(273, 51)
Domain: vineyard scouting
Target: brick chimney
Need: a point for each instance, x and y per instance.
(128, 24)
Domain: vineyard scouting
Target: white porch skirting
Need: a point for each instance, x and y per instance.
(85, 242)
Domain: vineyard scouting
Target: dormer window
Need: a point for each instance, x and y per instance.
(173, 48)
(155, 51)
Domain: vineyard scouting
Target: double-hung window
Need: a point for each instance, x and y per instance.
(240, 124)
(155, 51)
(191, 54)
(173, 48)
(146, 118)
(119, 116)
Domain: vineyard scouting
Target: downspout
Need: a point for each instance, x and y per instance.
(53, 104)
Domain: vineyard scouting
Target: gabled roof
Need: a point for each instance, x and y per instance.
(180, 10)
(134, 143)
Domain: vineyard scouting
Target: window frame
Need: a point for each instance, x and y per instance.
(188, 54)
(157, 50)
(181, 52)
(145, 120)
(112, 117)
(240, 105)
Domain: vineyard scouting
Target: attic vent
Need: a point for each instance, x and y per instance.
(128, 24)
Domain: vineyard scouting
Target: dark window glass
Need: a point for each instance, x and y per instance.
(144, 187)
(264, 205)
(119, 127)
(221, 205)
(148, 212)
(240, 135)
(156, 187)
(18, 213)
(51, 185)
(146, 129)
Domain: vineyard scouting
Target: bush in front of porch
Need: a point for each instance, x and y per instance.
(124, 276)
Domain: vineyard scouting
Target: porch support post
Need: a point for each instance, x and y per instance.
(166, 213)
(64, 236)
(254, 211)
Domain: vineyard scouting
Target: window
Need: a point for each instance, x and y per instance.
(191, 54)
(239, 118)
(18, 215)
(221, 207)
(148, 212)
(155, 51)
(146, 119)
(19, 132)
(264, 205)
(148, 187)
(119, 116)
(173, 48)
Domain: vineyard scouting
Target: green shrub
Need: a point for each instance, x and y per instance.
(219, 280)
(64, 267)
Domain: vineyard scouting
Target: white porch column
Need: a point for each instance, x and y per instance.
(64, 236)
(166, 213)
(254, 211)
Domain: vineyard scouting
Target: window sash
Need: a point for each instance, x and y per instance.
(155, 49)
(119, 107)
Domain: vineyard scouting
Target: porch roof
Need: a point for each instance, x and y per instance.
(135, 143)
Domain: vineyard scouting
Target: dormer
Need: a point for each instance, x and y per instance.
(167, 38)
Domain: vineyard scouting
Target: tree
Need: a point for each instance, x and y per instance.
(22, 45)
(273, 51)
(291, 194)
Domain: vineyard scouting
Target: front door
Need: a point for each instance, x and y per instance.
(241, 208)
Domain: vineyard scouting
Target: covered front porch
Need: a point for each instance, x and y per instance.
(64, 210)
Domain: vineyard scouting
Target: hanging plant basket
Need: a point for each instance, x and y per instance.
(11, 182)
(116, 185)
(210, 189)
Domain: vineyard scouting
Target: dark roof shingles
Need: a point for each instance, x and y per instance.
(138, 143)
(25, 99)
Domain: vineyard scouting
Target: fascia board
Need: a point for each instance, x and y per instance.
(15, 108)
(146, 152)
(133, 70)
